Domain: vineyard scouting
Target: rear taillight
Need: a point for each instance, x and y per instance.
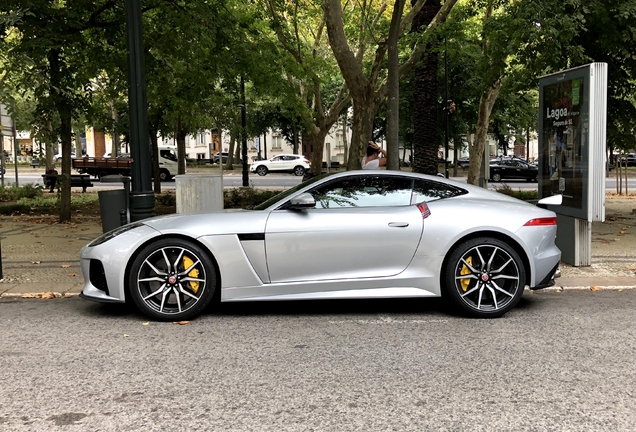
(426, 212)
(541, 221)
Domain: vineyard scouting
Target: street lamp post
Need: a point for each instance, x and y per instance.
(246, 181)
(142, 199)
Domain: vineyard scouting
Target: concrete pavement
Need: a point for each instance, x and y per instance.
(40, 255)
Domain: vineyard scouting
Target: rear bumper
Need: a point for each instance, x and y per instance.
(549, 280)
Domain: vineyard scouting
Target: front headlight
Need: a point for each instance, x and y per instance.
(114, 233)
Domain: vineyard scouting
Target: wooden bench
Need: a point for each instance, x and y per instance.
(35, 163)
(334, 165)
(77, 180)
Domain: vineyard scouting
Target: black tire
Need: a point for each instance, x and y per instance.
(102, 174)
(299, 171)
(496, 177)
(164, 175)
(484, 277)
(168, 292)
(261, 170)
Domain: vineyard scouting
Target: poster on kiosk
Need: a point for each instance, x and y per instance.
(572, 127)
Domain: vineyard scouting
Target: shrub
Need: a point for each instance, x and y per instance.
(525, 195)
(14, 193)
(246, 197)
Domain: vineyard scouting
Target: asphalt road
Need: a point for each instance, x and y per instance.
(559, 361)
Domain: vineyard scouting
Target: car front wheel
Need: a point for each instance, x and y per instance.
(261, 170)
(299, 171)
(484, 277)
(496, 177)
(172, 280)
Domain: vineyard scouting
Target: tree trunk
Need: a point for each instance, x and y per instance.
(318, 141)
(486, 102)
(229, 165)
(425, 101)
(181, 134)
(63, 106)
(345, 140)
(362, 132)
(154, 152)
(393, 87)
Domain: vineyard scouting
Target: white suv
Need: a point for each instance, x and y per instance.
(281, 163)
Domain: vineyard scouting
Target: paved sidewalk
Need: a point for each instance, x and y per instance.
(40, 255)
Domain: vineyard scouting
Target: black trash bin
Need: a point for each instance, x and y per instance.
(113, 204)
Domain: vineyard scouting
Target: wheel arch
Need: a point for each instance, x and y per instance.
(141, 246)
(493, 234)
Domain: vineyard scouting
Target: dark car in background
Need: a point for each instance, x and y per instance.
(512, 169)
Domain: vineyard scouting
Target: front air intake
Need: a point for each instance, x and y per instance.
(97, 276)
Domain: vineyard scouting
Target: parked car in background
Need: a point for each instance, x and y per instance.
(512, 169)
(291, 163)
(464, 163)
(629, 159)
(58, 157)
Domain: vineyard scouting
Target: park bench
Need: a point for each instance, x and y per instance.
(35, 163)
(334, 165)
(77, 180)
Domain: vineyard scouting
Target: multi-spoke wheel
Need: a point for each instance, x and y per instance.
(485, 277)
(261, 170)
(172, 280)
(496, 177)
(299, 171)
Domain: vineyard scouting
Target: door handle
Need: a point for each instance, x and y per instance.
(398, 224)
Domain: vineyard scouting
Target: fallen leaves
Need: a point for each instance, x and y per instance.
(36, 262)
(181, 322)
(42, 295)
(65, 265)
(594, 288)
(72, 275)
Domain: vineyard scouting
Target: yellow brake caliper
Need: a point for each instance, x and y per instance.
(465, 271)
(187, 262)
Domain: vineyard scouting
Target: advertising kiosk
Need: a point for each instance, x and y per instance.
(572, 127)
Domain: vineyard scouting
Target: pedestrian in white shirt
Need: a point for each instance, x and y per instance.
(375, 158)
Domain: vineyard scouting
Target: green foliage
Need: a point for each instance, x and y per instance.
(246, 197)
(166, 199)
(14, 193)
(525, 195)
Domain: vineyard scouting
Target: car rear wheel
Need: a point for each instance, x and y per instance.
(496, 177)
(299, 171)
(261, 170)
(172, 280)
(484, 277)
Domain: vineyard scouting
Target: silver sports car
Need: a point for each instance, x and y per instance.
(356, 234)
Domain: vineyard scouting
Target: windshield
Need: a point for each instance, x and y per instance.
(289, 192)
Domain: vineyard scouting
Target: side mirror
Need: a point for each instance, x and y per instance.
(551, 200)
(304, 200)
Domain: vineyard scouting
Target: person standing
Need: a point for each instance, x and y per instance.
(375, 158)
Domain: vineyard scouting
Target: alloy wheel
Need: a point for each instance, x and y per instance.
(487, 279)
(172, 280)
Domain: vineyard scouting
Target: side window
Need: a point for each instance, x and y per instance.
(168, 154)
(427, 190)
(365, 191)
(277, 159)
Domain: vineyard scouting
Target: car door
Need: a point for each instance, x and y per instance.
(276, 163)
(361, 227)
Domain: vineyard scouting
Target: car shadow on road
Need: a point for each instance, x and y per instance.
(431, 306)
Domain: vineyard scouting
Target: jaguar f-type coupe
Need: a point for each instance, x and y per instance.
(355, 234)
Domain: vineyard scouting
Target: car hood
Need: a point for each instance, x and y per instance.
(231, 221)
